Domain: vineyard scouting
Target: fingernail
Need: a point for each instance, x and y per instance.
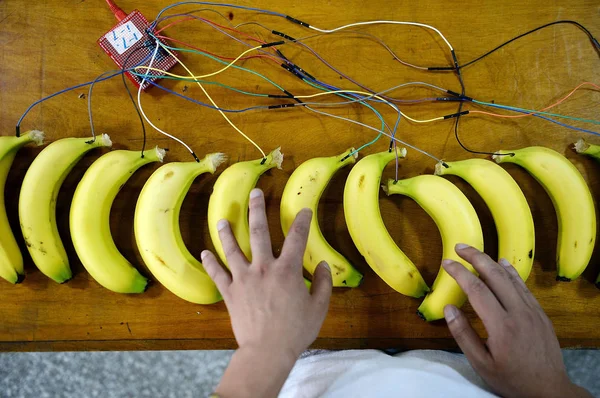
(221, 224)
(203, 254)
(326, 266)
(447, 262)
(450, 313)
(461, 246)
(504, 262)
(255, 193)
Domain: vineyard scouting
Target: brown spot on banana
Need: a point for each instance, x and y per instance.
(161, 261)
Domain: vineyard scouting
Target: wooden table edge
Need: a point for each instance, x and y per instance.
(229, 344)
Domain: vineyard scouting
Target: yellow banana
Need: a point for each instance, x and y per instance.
(37, 202)
(368, 232)
(572, 201)
(90, 224)
(304, 190)
(11, 260)
(457, 221)
(593, 151)
(230, 200)
(509, 208)
(158, 235)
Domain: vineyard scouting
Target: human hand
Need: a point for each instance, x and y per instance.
(273, 315)
(521, 357)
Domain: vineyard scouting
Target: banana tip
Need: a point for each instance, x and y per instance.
(37, 136)
(497, 157)
(277, 157)
(160, 153)
(563, 279)
(581, 146)
(20, 278)
(420, 314)
(216, 159)
(439, 168)
(106, 141)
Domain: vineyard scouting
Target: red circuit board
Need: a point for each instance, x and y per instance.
(129, 41)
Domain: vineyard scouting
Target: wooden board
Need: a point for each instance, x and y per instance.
(48, 45)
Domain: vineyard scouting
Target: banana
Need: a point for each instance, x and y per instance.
(509, 208)
(37, 202)
(158, 235)
(90, 224)
(587, 149)
(11, 260)
(230, 200)
(457, 221)
(368, 232)
(593, 151)
(304, 189)
(572, 201)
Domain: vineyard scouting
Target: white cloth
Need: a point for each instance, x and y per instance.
(371, 373)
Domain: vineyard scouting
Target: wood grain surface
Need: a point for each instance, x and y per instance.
(48, 45)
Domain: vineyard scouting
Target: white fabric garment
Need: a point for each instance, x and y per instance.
(371, 373)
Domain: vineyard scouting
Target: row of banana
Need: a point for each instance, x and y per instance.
(161, 246)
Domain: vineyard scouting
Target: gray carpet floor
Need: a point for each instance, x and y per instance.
(163, 374)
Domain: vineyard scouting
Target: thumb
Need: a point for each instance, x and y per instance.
(466, 337)
(321, 286)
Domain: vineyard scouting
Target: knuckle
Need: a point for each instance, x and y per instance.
(496, 272)
(460, 329)
(258, 229)
(256, 203)
(301, 228)
(475, 287)
(231, 250)
(211, 271)
(286, 263)
(221, 282)
(481, 258)
(512, 326)
(262, 268)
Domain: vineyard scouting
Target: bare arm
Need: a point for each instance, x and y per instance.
(521, 357)
(273, 315)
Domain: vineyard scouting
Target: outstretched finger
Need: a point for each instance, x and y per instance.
(260, 240)
(495, 276)
(216, 272)
(236, 260)
(483, 301)
(321, 286)
(295, 243)
(519, 284)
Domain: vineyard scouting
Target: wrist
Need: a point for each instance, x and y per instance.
(568, 389)
(256, 371)
(575, 391)
(279, 355)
